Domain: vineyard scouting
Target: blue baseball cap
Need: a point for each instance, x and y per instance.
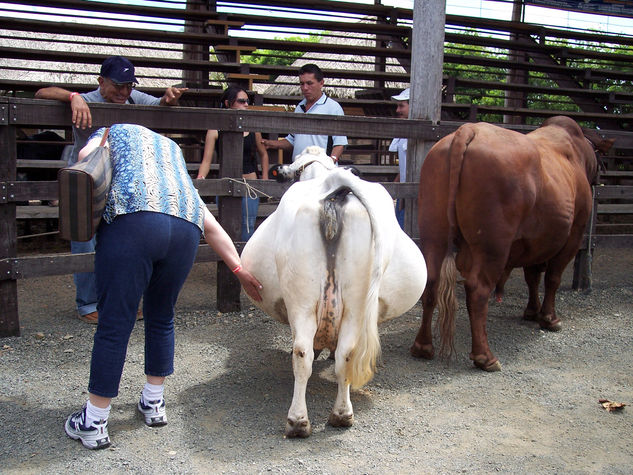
(119, 70)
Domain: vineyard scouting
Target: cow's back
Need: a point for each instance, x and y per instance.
(302, 263)
(516, 196)
(495, 173)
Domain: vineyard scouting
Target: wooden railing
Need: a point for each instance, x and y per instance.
(20, 113)
(31, 113)
(579, 70)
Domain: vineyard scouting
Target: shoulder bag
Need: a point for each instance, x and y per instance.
(83, 189)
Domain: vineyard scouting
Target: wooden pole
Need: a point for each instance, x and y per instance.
(515, 99)
(427, 61)
(230, 217)
(195, 79)
(9, 323)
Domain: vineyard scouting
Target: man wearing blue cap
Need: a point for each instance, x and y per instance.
(117, 84)
(400, 145)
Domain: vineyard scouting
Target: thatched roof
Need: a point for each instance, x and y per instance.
(54, 72)
(335, 87)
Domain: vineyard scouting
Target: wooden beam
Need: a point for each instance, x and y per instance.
(249, 78)
(426, 88)
(9, 322)
(225, 25)
(237, 49)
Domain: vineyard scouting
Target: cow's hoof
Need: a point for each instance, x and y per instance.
(552, 326)
(530, 315)
(422, 351)
(301, 428)
(481, 362)
(340, 420)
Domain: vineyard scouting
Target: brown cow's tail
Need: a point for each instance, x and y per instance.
(447, 302)
(447, 306)
(462, 138)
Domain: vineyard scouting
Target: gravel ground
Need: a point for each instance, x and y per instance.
(232, 388)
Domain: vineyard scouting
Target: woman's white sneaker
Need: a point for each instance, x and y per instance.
(93, 437)
(153, 411)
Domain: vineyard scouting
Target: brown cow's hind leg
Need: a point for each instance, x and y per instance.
(477, 303)
(547, 318)
(532, 277)
(423, 344)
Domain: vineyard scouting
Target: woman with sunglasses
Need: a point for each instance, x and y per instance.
(235, 97)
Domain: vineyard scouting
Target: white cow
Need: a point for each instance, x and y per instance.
(334, 263)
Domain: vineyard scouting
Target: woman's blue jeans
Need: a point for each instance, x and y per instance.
(143, 254)
(400, 213)
(85, 286)
(249, 216)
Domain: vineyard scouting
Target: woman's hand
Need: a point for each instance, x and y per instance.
(250, 284)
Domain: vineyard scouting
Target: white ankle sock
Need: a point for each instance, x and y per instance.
(96, 414)
(153, 392)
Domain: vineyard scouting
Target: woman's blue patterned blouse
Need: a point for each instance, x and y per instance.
(149, 173)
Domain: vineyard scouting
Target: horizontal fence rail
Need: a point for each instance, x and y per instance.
(16, 113)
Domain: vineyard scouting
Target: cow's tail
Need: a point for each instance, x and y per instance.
(447, 301)
(447, 306)
(362, 360)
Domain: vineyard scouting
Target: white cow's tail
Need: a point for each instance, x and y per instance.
(362, 360)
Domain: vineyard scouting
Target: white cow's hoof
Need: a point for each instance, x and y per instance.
(300, 428)
(341, 420)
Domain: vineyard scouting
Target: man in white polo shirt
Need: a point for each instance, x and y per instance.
(400, 145)
(315, 101)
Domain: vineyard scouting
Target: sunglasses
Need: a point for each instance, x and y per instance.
(242, 101)
(126, 85)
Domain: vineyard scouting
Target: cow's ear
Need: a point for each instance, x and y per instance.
(354, 170)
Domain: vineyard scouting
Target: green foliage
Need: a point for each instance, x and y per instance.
(279, 57)
(608, 57)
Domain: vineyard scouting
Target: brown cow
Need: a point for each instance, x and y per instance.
(501, 200)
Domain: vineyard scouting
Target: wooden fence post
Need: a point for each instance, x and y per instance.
(427, 59)
(230, 217)
(9, 323)
(581, 279)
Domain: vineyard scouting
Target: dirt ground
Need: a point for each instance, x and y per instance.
(232, 388)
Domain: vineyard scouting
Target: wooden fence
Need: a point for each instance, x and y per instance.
(584, 74)
(29, 113)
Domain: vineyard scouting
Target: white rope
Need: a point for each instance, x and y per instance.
(251, 191)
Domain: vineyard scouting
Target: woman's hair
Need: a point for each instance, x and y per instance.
(230, 95)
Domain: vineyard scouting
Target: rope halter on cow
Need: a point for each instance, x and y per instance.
(294, 171)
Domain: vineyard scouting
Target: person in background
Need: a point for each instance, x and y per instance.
(315, 101)
(117, 84)
(146, 245)
(400, 145)
(235, 97)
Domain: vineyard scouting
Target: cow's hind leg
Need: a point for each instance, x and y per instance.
(532, 275)
(477, 296)
(423, 345)
(342, 414)
(547, 318)
(298, 423)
